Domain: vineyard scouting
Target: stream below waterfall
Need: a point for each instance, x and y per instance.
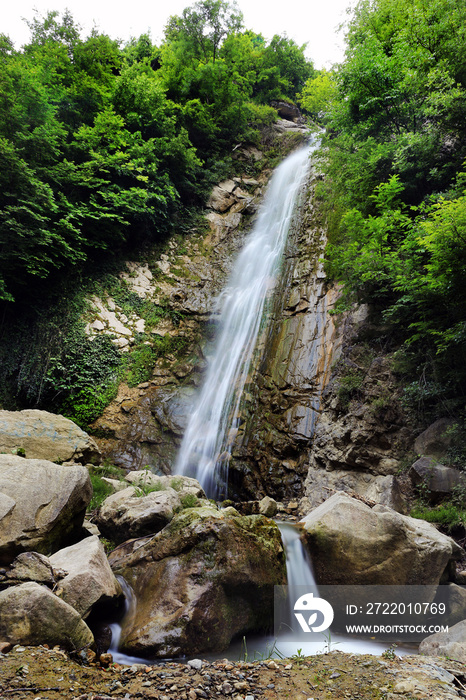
(261, 646)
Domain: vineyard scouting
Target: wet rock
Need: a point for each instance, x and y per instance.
(451, 643)
(130, 513)
(351, 543)
(44, 435)
(89, 582)
(31, 614)
(204, 578)
(42, 504)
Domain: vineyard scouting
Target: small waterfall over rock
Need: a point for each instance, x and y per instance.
(213, 425)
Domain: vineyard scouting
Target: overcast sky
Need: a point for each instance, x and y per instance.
(314, 22)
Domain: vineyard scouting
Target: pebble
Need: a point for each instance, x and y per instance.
(196, 664)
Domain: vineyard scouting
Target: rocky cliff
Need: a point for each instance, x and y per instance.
(296, 436)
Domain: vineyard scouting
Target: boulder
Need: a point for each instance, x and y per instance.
(436, 440)
(439, 479)
(31, 614)
(129, 513)
(320, 484)
(451, 643)
(42, 505)
(351, 543)
(286, 110)
(44, 435)
(205, 578)
(184, 485)
(31, 566)
(89, 582)
(268, 507)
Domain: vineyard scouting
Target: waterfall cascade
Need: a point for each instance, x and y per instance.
(213, 425)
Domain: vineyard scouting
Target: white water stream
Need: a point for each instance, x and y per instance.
(212, 428)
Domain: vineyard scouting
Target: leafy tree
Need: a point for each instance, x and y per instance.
(205, 25)
(318, 94)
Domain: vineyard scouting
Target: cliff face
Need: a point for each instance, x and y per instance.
(293, 429)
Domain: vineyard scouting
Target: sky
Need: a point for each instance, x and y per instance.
(314, 22)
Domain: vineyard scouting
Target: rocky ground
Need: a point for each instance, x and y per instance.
(48, 674)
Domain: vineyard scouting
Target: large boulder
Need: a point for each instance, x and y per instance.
(205, 578)
(451, 643)
(43, 435)
(32, 614)
(320, 484)
(351, 543)
(89, 582)
(130, 513)
(42, 505)
(436, 439)
(439, 479)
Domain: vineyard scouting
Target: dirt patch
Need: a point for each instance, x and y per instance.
(43, 674)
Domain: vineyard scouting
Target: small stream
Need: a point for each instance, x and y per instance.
(257, 647)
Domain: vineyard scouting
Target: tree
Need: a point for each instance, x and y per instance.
(206, 24)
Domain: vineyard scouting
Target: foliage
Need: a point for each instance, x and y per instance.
(104, 149)
(395, 189)
(189, 500)
(318, 94)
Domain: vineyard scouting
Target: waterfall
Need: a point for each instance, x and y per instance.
(299, 571)
(213, 425)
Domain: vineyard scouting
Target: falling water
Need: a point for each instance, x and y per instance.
(212, 428)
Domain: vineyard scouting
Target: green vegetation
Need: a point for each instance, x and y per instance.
(100, 489)
(395, 188)
(105, 149)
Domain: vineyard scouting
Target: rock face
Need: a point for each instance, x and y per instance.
(32, 614)
(451, 643)
(89, 582)
(281, 402)
(44, 435)
(42, 505)
(206, 577)
(351, 543)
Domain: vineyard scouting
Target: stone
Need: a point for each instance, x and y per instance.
(451, 643)
(435, 441)
(31, 566)
(89, 583)
(351, 543)
(50, 502)
(44, 435)
(182, 484)
(31, 614)
(439, 480)
(321, 484)
(456, 597)
(196, 664)
(286, 110)
(204, 578)
(129, 513)
(268, 507)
